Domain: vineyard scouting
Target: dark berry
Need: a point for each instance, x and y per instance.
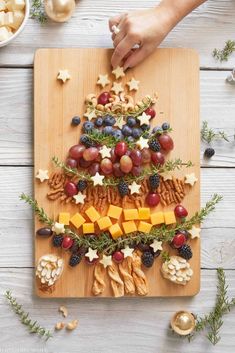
(75, 121)
(74, 260)
(126, 130)
(154, 145)
(86, 141)
(144, 247)
(147, 259)
(108, 130)
(156, 254)
(130, 139)
(82, 250)
(136, 132)
(165, 126)
(108, 120)
(209, 152)
(131, 121)
(157, 130)
(123, 188)
(88, 126)
(81, 185)
(154, 181)
(117, 134)
(57, 240)
(145, 127)
(45, 232)
(99, 122)
(185, 251)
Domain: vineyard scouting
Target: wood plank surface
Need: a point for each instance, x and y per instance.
(175, 76)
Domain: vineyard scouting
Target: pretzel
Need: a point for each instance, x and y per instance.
(125, 269)
(138, 275)
(98, 284)
(116, 281)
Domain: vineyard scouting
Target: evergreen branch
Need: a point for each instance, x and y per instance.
(208, 135)
(37, 11)
(223, 54)
(32, 326)
(42, 216)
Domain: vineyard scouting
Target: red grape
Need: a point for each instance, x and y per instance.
(84, 164)
(117, 171)
(150, 111)
(126, 164)
(113, 155)
(67, 242)
(158, 158)
(120, 148)
(106, 166)
(70, 189)
(104, 98)
(90, 154)
(166, 142)
(118, 256)
(146, 155)
(76, 151)
(72, 163)
(94, 168)
(152, 199)
(178, 240)
(136, 170)
(180, 211)
(136, 157)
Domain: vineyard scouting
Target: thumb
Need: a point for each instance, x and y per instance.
(115, 20)
(136, 57)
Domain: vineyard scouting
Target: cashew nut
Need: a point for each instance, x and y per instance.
(100, 107)
(91, 98)
(72, 325)
(64, 311)
(59, 326)
(129, 99)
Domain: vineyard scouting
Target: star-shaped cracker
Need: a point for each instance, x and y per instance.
(106, 261)
(117, 87)
(105, 151)
(92, 254)
(134, 188)
(144, 118)
(127, 251)
(195, 232)
(120, 122)
(133, 85)
(190, 179)
(79, 198)
(142, 143)
(58, 228)
(42, 175)
(90, 114)
(118, 72)
(63, 75)
(156, 245)
(103, 80)
(97, 179)
(166, 176)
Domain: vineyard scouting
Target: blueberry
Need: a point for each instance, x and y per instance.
(75, 121)
(136, 132)
(117, 134)
(146, 134)
(107, 130)
(99, 122)
(88, 126)
(109, 120)
(145, 127)
(131, 121)
(165, 126)
(126, 130)
(130, 139)
(157, 129)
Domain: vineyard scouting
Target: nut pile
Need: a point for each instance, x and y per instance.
(49, 269)
(177, 270)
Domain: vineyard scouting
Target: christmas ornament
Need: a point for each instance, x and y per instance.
(183, 323)
(59, 10)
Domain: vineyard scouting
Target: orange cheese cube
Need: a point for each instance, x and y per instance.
(129, 227)
(92, 214)
(114, 211)
(88, 228)
(144, 227)
(144, 213)
(77, 220)
(169, 217)
(115, 231)
(64, 218)
(130, 214)
(104, 223)
(157, 218)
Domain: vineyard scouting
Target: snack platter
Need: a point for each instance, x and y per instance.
(117, 173)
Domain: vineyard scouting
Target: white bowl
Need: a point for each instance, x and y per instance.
(20, 29)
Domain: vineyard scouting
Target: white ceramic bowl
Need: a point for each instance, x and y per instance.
(20, 29)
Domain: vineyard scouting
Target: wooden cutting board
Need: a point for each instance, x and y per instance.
(174, 74)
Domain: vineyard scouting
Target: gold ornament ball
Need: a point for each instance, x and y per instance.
(59, 10)
(183, 323)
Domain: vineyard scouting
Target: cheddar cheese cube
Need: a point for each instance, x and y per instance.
(169, 217)
(114, 212)
(64, 218)
(88, 228)
(92, 214)
(104, 223)
(77, 220)
(130, 214)
(144, 213)
(115, 231)
(144, 227)
(157, 218)
(129, 227)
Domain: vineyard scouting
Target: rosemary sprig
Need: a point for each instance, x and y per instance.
(32, 326)
(208, 135)
(37, 11)
(112, 181)
(213, 321)
(103, 243)
(223, 54)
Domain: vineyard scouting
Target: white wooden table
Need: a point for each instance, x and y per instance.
(124, 325)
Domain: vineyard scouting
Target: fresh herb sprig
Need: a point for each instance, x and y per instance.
(223, 54)
(32, 326)
(208, 135)
(104, 243)
(37, 11)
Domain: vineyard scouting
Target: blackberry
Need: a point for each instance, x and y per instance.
(154, 145)
(165, 126)
(82, 185)
(209, 152)
(57, 240)
(147, 259)
(185, 251)
(154, 181)
(75, 121)
(74, 260)
(123, 188)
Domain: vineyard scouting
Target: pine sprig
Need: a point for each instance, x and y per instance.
(32, 326)
(37, 11)
(223, 54)
(208, 135)
(103, 243)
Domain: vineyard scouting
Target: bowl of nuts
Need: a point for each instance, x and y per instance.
(13, 17)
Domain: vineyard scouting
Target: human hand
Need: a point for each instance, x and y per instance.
(146, 29)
